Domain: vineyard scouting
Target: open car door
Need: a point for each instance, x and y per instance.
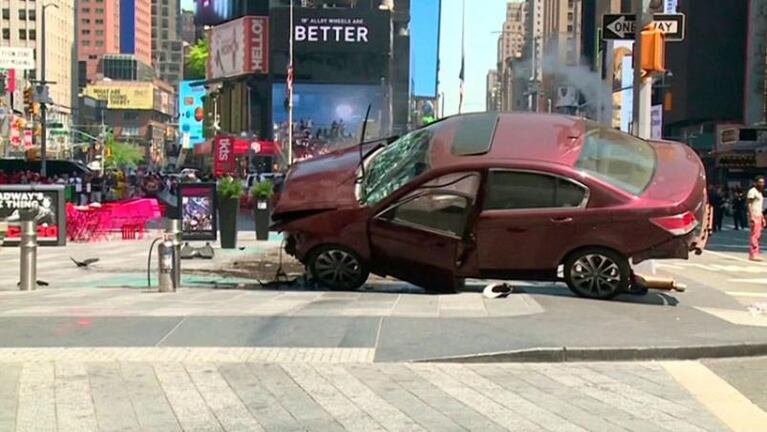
(420, 238)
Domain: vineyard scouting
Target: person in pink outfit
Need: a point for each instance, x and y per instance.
(756, 221)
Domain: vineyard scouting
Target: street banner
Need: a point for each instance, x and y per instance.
(223, 155)
(43, 204)
(197, 203)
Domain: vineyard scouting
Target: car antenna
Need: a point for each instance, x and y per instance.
(362, 140)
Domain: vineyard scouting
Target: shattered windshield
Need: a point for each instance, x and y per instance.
(397, 164)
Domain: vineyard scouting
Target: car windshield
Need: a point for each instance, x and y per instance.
(396, 164)
(622, 160)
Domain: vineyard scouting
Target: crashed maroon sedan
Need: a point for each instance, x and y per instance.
(495, 196)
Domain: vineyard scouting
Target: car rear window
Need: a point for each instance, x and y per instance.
(474, 134)
(622, 160)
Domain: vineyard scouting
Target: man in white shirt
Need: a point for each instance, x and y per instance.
(755, 200)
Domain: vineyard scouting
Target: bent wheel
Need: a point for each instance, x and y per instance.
(338, 268)
(597, 273)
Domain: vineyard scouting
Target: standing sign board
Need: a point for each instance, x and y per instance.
(197, 202)
(621, 26)
(43, 204)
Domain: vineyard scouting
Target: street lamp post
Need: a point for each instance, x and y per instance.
(290, 89)
(43, 107)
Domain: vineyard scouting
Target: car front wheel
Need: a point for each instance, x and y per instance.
(337, 268)
(597, 273)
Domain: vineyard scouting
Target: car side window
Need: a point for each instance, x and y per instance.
(443, 212)
(513, 190)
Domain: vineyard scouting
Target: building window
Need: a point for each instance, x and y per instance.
(32, 14)
(6, 33)
(93, 56)
(85, 31)
(32, 35)
(99, 21)
(99, 32)
(86, 42)
(6, 14)
(23, 14)
(99, 10)
(85, 21)
(86, 10)
(100, 43)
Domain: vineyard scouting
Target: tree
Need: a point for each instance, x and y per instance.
(121, 154)
(196, 61)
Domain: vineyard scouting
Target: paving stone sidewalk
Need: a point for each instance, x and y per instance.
(79, 394)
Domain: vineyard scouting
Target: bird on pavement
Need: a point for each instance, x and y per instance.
(84, 263)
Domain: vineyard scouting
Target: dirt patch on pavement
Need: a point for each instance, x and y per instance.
(264, 266)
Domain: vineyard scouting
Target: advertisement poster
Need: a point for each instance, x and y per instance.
(134, 96)
(239, 47)
(656, 119)
(223, 155)
(43, 204)
(191, 112)
(197, 202)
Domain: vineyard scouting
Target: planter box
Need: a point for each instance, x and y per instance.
(262, 212)
(227, 221)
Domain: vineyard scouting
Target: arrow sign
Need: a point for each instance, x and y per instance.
(621, 26)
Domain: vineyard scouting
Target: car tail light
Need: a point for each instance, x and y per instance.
(677, 225)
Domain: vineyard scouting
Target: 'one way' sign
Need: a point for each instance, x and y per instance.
(621, 26)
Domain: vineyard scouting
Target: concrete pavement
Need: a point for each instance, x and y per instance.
(207, 395)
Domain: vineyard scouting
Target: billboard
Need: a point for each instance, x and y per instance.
(43, 204)
(191, 113)
(327, 116)
(139, 96)
(424, 46)
(197, 203)
(239, 47)
(334, 30)
(17, 58)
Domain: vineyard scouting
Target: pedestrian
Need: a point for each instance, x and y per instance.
(755, 199)
(719, 204)
(739, 208)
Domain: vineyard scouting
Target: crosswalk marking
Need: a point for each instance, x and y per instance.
(747, 294)
(716, 394)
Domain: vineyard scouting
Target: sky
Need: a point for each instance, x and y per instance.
(483, 18)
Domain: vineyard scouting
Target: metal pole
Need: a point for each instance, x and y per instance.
(28, 251)
(43, 108)
(290, 89)
(173, 230)
(638, 116)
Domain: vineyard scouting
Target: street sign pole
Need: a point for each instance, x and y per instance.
(642, 88)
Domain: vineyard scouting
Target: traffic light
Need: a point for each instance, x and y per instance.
(29, 99)
(653, 50)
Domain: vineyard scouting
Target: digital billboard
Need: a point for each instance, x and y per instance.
(424, 46)
(43, 204)
(190, 110)
(239, 47)
(327, 116)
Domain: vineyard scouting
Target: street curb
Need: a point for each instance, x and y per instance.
(565, 354)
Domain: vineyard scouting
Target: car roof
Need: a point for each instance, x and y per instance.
(542, 138)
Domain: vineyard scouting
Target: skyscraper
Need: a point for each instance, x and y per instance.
(136, 29)
(167, 46)
(99, 32)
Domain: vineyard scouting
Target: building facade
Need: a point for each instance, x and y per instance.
(167, 46)
(136, 29)
(98, 34)
(124, 67)
(511, 46)
(190, 32)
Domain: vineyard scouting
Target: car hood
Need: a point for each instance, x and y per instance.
(322, 183)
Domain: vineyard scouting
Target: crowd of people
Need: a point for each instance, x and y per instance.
(113, 185)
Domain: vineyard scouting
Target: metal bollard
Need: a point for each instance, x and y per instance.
(165, 264)
(28, 250)
(173, 233)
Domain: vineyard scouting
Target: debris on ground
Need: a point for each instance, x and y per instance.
(659, 283)
(757, 309)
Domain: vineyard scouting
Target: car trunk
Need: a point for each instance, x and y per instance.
(679, 182)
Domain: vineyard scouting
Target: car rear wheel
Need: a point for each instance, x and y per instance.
(338, 268)
(597, 273)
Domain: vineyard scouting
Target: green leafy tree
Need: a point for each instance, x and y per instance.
(121, 154)
(196, 61)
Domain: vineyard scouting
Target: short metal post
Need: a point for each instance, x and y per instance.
(28, 250)
(173, 232)
(165, 264)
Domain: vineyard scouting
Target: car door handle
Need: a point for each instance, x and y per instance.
(561, 220)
